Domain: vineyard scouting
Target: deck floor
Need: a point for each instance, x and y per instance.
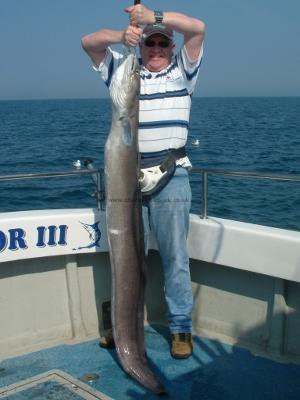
(216, 371)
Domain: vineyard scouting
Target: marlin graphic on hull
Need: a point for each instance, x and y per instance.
(94, 235)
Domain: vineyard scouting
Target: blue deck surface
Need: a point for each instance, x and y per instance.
(216, 371)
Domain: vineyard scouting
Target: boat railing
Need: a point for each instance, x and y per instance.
(97, 175)
(256, 175)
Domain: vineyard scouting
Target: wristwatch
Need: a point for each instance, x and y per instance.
(158, 15)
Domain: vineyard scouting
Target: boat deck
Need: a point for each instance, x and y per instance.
(216, 371)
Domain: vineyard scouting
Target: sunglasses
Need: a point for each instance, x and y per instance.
(163, 44)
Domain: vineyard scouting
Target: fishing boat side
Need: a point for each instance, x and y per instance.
(55, 281)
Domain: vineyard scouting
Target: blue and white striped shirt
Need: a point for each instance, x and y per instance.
(165, 102)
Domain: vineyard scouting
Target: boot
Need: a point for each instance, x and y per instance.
(107, 341)
(182, 345)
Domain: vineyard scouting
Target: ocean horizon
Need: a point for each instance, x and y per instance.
(194, 97)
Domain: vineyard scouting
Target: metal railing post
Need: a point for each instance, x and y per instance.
(102, 190)
(204, 194)
(98, 192)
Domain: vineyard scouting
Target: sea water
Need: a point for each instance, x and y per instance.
(233, 134)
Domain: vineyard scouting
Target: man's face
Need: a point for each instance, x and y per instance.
(156, 52)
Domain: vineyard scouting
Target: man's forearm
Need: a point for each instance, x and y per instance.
(188, 26)
(191, 28)
(100, 40)
(95, 44)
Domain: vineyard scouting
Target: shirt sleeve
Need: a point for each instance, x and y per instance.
(109, 64)
(189, 69)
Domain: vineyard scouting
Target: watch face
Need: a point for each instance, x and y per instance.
(158, 16)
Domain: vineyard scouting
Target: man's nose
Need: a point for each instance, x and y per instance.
(156, 46)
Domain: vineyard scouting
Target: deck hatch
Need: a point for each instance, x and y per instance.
(54, 385)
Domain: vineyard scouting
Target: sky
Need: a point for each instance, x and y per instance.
(251, 46)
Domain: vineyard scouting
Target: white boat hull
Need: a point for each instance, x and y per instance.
(245, 280)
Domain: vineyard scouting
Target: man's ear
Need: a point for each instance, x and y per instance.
(173, 48)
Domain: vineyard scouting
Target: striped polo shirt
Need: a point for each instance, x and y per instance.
(164, 105)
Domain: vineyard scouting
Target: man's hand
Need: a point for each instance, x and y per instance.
(140, 15)
(132, 35)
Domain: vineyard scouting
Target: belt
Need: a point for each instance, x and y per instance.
(153, 179)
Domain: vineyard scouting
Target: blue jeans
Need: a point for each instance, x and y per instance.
(167, 215)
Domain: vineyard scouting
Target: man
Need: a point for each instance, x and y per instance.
(165, 100)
